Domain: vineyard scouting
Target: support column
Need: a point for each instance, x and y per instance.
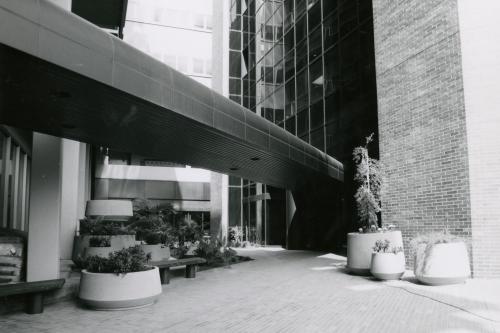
(70, 176)
(219, 205)
(290, 211)
(44, 209)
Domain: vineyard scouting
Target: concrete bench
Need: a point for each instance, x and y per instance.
(35, 291)
(165, 265)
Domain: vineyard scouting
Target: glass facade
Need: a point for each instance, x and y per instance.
(307, 66)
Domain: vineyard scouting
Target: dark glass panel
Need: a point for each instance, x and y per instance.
(301, 29)
(290, 98)
(314, 14)
(302, 122)
(237, 99)
(315, 45)
(329, 6)
(316, 114)
(332, 70)
(316, 81)
(300, 7)
(289, 14)
(235, 40)
(301, 54)
(289, 66)
(289, 41)
(332, 104)
(234, 86)
(302, 91)
(317, 138)
(234, 64)
(290, 125)
(348, 17)
(330, 31)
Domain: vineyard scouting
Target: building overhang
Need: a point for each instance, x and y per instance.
(63, 76)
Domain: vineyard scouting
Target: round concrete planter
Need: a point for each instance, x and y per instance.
(108, 291)
(443, 263)
(158, 251)
(388, 266)
(98, 251)
(118, 242)
(359, 249)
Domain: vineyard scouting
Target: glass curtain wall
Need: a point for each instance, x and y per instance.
(307, 66)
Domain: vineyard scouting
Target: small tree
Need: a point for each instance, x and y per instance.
(369, 177)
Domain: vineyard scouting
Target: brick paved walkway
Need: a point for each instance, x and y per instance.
(285, 291)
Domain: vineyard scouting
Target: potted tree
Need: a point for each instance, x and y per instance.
(99, 246)
(121, 281)
(388, 263)
(368, 204)
(440, 258)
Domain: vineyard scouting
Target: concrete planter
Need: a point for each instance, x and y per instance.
(108, 291)
(98, 251)
(388, 266)
(158, 251)
(359, 249)
(118, 242)
(443, 263)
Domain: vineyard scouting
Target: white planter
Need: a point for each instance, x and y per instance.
(108, 291)
(158, 251)
(443, 263)
(360, 249)
(98, 251)
(388, 266)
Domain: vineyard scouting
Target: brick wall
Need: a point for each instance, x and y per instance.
(422, 125)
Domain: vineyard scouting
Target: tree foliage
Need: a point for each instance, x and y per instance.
(369, 177)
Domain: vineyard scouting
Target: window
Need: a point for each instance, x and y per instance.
(316, 81)
(198, 66)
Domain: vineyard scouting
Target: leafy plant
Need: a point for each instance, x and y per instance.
(235, 236)
(383, 246)
(99, 242)
(102, 227)
(433, 238)
(128, 260)
(149, 218)
(213, 251)
(369, 177)
(152, 238)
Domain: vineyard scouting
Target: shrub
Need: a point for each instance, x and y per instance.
(103, 227)
(384, 247)
(433, 238)
(152, 238)
(129, 260)
(100, 242)
(214, 252)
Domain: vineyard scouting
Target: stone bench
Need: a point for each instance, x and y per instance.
(165, 265)
(35, 291)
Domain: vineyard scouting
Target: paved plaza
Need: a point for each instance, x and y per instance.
(285, 291)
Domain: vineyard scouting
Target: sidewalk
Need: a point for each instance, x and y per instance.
(286, 291)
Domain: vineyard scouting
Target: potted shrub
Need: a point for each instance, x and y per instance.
(359, 244)
(388, 263)
(123, 280)
(119, 236)
(440, 258)
(152, 244)
(99, 246)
